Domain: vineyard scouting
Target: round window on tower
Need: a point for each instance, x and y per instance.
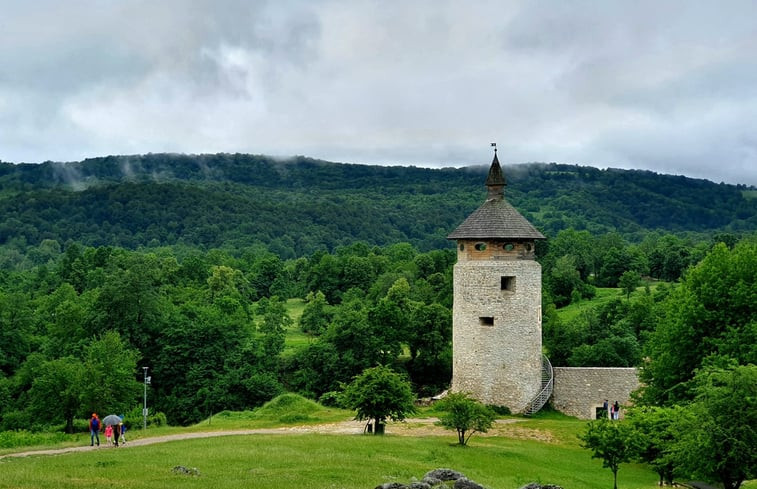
(480, 246)
(508, 247)
(462, 247)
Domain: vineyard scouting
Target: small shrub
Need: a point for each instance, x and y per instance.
(16, 420)
(24, 438)
(80, 425)
(500, 410)
(330, 399)
(157, 419)
(464, 415)
(133, 419)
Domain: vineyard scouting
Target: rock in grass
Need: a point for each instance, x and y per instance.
(431, 481)
(465, 483)
(444, 474)
(451, 479)
(420, 485)
(180, 469)
(392, 485)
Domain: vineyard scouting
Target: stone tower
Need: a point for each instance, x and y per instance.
(496, 324)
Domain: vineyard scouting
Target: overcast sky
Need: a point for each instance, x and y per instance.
(669, 86)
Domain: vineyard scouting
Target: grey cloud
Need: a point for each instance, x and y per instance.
(668, 86)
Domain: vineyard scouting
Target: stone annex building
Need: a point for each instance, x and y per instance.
(496, 319)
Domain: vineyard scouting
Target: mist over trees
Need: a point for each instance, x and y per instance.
(296, 207)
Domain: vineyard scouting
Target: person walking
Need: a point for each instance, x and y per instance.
(616, 410)
(116, 432)
(109, 435)
(123, 432)
(94, 430)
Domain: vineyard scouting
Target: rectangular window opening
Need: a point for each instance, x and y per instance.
(486, 321)
(507, 283)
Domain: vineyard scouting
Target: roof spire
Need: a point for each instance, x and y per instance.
(495, 181)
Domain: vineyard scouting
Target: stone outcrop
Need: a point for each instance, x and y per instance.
(450, 479)
(180, 469)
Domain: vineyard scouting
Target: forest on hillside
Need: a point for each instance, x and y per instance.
(298, 206)
(189, 266)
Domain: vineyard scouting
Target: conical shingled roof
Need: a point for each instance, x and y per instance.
(496, 218)
(495, 177)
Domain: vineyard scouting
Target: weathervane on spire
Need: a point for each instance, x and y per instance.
(494, 145)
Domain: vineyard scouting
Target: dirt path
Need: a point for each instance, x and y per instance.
(410, 427)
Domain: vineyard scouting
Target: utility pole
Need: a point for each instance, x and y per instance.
(144, 407)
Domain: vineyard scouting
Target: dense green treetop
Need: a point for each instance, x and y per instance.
(378, 394)
(710, 318)
(297, 206)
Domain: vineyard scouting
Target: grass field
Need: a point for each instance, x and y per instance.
(604, 295)
(543, 449)
(295, 338)
(316, 461)
(324, 461)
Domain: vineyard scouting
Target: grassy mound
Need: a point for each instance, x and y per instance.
(285, 409)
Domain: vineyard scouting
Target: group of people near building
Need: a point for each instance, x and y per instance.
(612, 411)
(113, 430)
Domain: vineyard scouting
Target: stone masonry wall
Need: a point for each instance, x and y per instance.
(579, 391)
(497, 331)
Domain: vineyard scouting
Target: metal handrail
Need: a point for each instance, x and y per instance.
(547, 382)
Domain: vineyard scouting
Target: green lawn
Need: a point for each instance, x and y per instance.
(604, 295)
(319, 461)
(295, 338)
(543, 448)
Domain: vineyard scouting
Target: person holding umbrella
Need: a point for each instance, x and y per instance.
(114, 421)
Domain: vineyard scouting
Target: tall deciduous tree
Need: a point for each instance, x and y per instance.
(63, 313)
(430, 346)
(316, 315)
(613, 442)
(56, 392)
(276, 321)
(712, 313)
(130, 300)
(655, 428)
(15, 331)
(629, 281)
(390, 319)
(718, 439)
(110, 371)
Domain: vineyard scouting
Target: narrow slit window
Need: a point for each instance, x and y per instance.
(507, 283)
(486, 321)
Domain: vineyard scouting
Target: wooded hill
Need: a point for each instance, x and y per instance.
(294, 207)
